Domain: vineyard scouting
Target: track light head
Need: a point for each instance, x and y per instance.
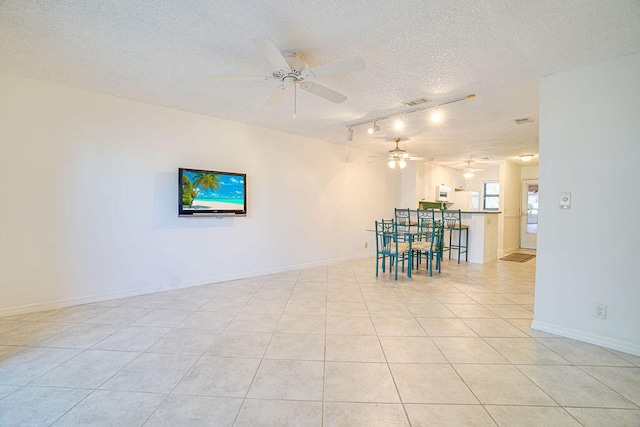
(350, 134)
(374, 128)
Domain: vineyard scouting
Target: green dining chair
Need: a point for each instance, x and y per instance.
(389, 245)
(431, 248)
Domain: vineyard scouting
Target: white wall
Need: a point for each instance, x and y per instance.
(408, 185)
(590, 146)
(529, 172)
(509, 222)
(90, 198)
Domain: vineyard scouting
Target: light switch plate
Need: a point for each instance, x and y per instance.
(565, 200)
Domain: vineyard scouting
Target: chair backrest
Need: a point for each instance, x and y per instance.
(452, 218)
(426, 218)
(437, 233)
(403, 219)
(386, 237)
(403, 216)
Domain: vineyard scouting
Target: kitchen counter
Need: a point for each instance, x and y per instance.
(483, 235)
(480, 212)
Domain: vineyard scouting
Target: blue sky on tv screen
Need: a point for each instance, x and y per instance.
(231, 187)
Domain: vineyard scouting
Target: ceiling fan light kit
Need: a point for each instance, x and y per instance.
(399, 157)
(400, 162)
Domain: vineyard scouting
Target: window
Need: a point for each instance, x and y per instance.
(491, 199)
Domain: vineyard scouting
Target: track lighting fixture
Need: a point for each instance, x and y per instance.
(374, 128)
(350, 134)
(400, 123)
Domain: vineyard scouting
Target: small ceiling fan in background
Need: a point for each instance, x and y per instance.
(292, 71)
(469, 171)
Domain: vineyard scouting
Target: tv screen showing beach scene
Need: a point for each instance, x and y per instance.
(204, 192)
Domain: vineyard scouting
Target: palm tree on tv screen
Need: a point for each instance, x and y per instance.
(206, 181)
(188, 192)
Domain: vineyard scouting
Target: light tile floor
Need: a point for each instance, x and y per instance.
(328, 346)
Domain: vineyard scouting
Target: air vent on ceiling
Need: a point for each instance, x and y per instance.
(417, 102)
(523, 120)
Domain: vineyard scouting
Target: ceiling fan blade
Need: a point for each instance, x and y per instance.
(276, 97)
(271, 52)
(323, 92)
(245, 78)
(340, 67)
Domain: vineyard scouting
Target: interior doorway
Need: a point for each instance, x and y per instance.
(529, 214)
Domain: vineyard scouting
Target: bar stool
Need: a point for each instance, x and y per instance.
(452, 220)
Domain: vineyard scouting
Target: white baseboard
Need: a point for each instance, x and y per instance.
(491, 258)
(509, 250)
(69, 302)
(603, 341)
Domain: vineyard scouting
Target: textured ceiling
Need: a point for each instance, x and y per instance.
(163, 52)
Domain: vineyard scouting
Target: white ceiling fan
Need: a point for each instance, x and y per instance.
(469, 171)
(399, 157)
(292, 71)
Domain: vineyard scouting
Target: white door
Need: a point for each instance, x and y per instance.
(529, 214)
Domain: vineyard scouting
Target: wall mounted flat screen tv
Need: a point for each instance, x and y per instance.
(211, 193)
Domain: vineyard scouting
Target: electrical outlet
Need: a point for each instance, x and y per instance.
(366, 245)
(600, 311)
